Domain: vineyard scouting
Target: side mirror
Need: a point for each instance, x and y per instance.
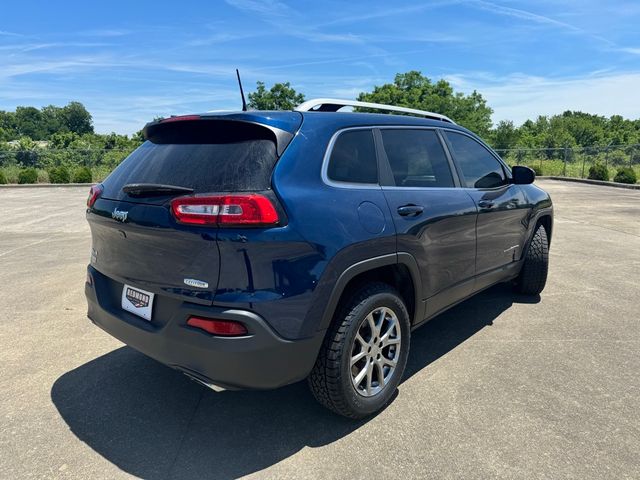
(523, 175)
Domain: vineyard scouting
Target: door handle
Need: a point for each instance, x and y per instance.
(485, 204)
(410, 210)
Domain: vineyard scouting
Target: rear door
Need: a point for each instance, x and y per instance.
(435, 219)
(136, 239)
(502, 206)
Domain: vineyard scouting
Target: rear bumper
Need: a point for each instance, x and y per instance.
(260, 360)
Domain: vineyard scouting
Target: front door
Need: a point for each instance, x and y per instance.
(502, 206)
(435, 220)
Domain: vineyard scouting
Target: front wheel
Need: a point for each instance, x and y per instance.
(533, 276)
(364, 355)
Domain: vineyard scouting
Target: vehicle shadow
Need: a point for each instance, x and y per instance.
(153, 422)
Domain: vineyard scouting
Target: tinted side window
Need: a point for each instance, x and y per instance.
(417, 158)
(479, 168)
(353, 158)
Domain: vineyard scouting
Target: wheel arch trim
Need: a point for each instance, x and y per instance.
(363, 266)
(546, 212)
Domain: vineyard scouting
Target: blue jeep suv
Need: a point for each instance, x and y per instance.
(255, 249)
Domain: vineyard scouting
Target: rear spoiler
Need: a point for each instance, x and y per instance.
(227, 128)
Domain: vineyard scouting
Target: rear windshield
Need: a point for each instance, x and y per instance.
(207, 158)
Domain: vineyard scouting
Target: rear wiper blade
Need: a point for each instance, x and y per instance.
(154, 189)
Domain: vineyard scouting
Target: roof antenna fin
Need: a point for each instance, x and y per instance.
(244, 102)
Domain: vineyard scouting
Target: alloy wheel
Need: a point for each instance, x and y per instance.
(375, 351)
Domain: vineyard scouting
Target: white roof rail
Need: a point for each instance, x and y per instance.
(334, 104)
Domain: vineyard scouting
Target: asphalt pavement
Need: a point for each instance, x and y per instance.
(501, 386)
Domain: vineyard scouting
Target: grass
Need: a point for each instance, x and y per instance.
(11, 173)
(575, 169)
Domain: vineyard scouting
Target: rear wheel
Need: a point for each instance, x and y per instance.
(533, 275)
(363, 357)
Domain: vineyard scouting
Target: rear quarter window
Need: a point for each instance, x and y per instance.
(353, 158)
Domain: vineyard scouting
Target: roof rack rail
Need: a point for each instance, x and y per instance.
(334, 104)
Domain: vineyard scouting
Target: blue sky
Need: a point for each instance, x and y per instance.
(129, 61)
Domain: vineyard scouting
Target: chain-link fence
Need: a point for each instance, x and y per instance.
(574, 162)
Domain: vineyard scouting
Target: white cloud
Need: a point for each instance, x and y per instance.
(30, 47)
(289, 22)
(63, 65)
(535, 18)
(388, 12)
(266, 8)
(218, 38)
(521, 14)
(520, 97)
(128, 114)
(104, 32)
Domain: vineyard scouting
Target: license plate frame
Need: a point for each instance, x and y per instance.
(137, 301)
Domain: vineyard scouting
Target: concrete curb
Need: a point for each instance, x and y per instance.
(46, 185)
(594, 182)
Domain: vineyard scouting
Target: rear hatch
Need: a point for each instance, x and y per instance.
(140, 239)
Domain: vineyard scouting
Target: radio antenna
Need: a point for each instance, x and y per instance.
(244, 102)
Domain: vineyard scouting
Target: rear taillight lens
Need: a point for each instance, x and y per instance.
(225, 210)
(222, 328)
(94, 193)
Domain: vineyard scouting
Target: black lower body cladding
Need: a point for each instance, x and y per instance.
(260, 360)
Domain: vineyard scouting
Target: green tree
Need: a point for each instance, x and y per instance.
(138, 137)
(61, 140)
(8, 125)
(414, 90)
(587, 130)
(279, 97)
(40, 124)
(505, 135)
(619, 131)
(28, 123)
(76, 118)
(572, 129)
(51, 120)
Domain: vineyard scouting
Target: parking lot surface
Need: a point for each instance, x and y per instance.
(501, 386)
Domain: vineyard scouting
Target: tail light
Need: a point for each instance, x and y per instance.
(225, 210)
(94, 193)
(222, 328)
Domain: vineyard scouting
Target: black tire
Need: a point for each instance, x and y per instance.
(533, 275)
(331, 378)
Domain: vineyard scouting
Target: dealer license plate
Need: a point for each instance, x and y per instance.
(137, 301)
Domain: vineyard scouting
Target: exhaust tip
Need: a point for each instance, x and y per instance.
(205, 383)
